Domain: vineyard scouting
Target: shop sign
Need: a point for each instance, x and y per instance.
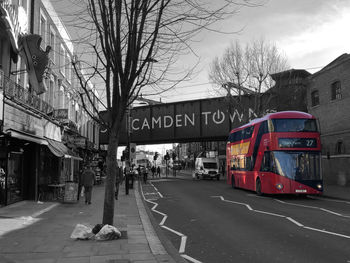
(61, 113)
(52, 131)
(22, 120)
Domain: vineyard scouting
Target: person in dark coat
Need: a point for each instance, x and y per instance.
(153, 169)
(158, 171)
(87, 180)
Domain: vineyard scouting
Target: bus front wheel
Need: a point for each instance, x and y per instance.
(258, 187)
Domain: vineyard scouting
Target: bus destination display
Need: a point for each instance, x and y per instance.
(297, 143)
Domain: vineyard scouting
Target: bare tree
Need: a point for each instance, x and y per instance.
(137, 42)
(247, 71)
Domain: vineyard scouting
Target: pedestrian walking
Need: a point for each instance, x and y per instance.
(87, 180)
(153, 171)
(158, 171)
(145, 174)
(80, 186)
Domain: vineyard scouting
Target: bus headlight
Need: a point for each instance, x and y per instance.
(279, 186)
(319, 186)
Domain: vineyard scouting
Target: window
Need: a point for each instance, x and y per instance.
(315, 99)
(42, 30)
(51, 92)
(240, 163)
(62, 59)
(52, 44)
(68, 68)
(266, 162)
(242, 134)
(294, 125)
(61, 98)
(336, 90)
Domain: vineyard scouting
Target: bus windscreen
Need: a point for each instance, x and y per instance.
(296, 165)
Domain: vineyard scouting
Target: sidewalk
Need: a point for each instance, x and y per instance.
(32, 232)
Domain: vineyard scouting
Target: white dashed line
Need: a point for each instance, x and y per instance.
(286, 217)
(313, 207)
(295, 222)
(192, 259)
(330, 200)
(162, 222)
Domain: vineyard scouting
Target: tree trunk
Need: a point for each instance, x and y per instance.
(111, 162)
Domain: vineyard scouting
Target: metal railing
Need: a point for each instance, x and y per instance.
(17, 93)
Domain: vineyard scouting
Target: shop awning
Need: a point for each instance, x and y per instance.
(57, 148)
(26, 137)
(60, 150)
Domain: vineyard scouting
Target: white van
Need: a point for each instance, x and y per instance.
(206, 168)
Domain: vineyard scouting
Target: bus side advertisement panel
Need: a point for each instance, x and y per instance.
(241, 148)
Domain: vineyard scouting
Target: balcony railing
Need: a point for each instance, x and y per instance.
(17, 93)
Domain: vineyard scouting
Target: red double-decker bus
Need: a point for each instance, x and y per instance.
(279, 153)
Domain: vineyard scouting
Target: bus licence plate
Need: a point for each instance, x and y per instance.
(300, 190)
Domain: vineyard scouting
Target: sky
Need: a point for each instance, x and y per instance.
(311, 34)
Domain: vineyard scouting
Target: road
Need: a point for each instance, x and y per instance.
(208, 221)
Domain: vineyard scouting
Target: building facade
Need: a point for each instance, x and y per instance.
(44, 132)
(329, 100)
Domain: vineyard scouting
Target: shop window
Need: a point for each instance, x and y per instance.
(315, 100)
(336, 90)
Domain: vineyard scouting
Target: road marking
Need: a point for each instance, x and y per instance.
(306, 206)
(182, 247)
(295, 222)
(313, 207)
(173, 231)
(161, 196)
(286, 217)
(327, 232)
(268, 213)
(155, 244)
(192, 259)
(330, 200)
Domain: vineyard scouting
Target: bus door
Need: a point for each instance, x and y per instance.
(274, 173)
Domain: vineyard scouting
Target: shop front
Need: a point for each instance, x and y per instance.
(18, 160)
(58, 166)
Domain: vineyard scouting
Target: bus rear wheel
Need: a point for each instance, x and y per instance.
(258, 187)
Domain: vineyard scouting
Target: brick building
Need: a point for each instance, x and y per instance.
(329, 100)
